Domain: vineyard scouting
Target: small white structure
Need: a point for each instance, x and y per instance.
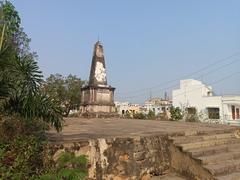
(157, 105)
(124, 108)
(195, 94)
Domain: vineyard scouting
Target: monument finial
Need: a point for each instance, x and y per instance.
(98, 39)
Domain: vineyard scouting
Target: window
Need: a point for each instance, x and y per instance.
(233, 112)
(163, 109)
(213, 113)
(237, 112)
(191, 110)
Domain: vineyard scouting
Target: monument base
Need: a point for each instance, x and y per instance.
(98, 111)
(99, 115)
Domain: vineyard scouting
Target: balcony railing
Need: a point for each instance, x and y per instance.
(226, 120)
(230, 121)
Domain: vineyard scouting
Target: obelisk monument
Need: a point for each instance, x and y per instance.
(97, 98)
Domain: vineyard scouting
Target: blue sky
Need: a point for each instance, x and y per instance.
(146, 43)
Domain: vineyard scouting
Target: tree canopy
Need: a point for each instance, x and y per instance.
(20, 77)
(176, 113)
(66, 90)
(26, 110)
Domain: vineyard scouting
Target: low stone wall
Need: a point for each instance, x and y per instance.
(121, 158)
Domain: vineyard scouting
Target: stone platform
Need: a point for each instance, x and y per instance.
(128, 149)
(76, 129)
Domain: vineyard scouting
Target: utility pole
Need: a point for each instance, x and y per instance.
(165, 96)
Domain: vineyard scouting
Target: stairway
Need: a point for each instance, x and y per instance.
(210, 155)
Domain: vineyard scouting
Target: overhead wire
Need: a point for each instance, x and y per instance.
(213, 83)
(184, 76)
(176, 85)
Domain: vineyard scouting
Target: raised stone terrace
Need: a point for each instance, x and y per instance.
(120, 149)
(82, 129)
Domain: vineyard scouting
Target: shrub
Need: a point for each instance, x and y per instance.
(127, 115)
(68, 166)
(176, 113)
(191, 118)
(24, 154)
(139, 116)
(151, 115)
(22, 149)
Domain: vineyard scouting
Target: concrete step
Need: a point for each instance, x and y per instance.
(207, 143)
(214, 154)
(190, 139)
(219, 158)
(206, 151)
(233, 176)
(223, 168)
(211, 132)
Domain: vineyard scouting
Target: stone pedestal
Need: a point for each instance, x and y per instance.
(97, 101)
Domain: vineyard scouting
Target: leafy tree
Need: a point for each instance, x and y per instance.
(20, 77)
(66, 90)
(176, 113)
(151, 115)
(25, 110)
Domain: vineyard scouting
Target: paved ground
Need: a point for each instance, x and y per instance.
(83, 129)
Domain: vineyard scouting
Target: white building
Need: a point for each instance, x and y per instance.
(157, 105)
(124, 108)
(195, 94)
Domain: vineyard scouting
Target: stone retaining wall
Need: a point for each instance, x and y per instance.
(121, 158)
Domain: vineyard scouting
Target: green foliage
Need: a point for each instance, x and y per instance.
(192, 118)
(67, 90)
(191, 115)
(25, 111)
(151, 115)
(20, 77)
(68, 167)
(176, 113)
(67, 159)
(24, 154)
(22, 148)
(139, 116)
(127, 115)
(10, 16)
(21, 164)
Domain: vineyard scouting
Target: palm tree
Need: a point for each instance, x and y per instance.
(20, 77)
